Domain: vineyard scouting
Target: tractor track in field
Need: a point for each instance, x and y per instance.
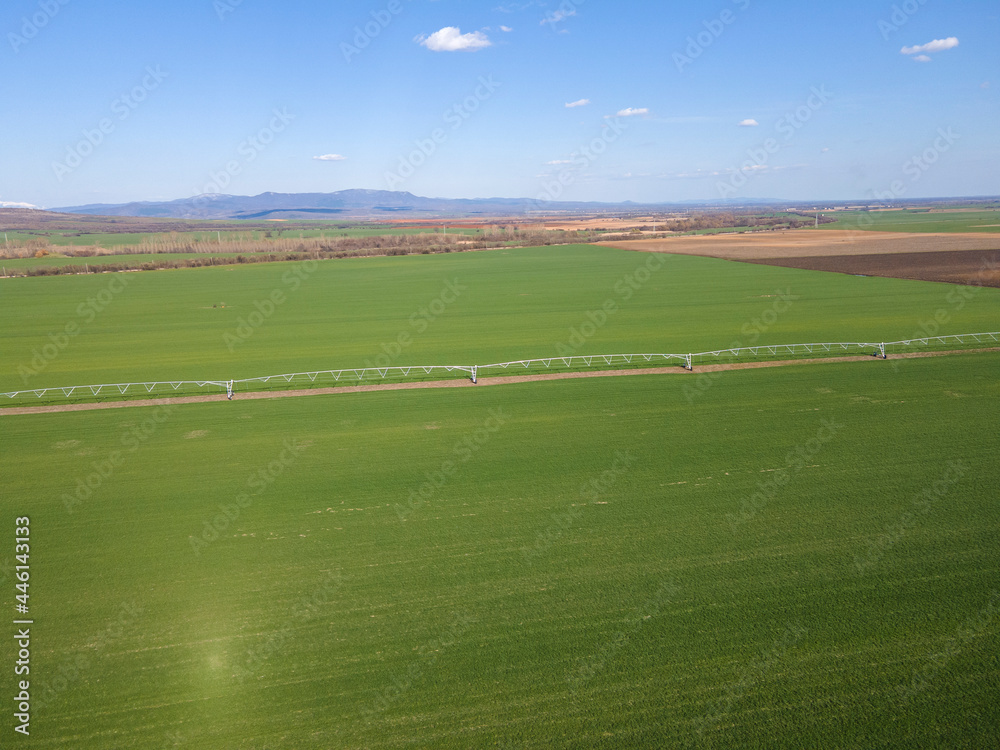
(465, 383)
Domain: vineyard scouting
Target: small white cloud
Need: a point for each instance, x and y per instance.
(922, 58)
(823, 150)
(557, 162)
(631, 112)
(330, 157)
(506, 28)
(578, 103)
(451, 39)
(557, 16)
(749, 123)
(984, 85)
(937, 45)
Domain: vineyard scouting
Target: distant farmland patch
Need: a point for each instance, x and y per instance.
(955, 258)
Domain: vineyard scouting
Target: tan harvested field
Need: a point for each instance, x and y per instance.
(800, 243)
(571, 225)
(953, 258)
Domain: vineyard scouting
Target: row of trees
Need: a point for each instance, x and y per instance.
(287, 249)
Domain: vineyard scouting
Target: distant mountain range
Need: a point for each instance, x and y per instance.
(382, 204)
(348, 204)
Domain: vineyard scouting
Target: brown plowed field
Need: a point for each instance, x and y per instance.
(979, 267)
(954, 258)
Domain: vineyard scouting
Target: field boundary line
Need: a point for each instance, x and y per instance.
(463, 383)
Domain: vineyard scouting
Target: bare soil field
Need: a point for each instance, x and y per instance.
(954, 258)
(977, 267)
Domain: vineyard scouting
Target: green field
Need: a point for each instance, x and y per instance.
(508, 304)
(916, 221)
(521, 605)
(799, 556)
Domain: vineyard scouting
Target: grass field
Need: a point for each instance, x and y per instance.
(500, 305)
(917, 221)
(803, 556)
(596, 571)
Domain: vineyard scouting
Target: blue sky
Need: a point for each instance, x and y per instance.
(112, 102)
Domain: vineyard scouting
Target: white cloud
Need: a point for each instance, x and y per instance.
(824, 150)
(984, 85)
(937, 45)
(557, 162)
(922, 58)
(749, 123)
(506, 28)
(10, 204)
(330, 157)
(451, 39)
(631, 112)
(557, 16)
(578, 103)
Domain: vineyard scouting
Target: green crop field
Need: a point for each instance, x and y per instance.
(464, 308)
(587, 566)
(798, 556)
(917, 221)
